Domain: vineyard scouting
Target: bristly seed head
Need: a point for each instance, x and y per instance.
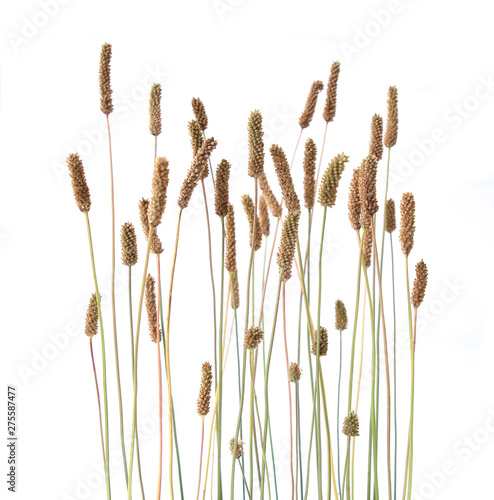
(285, 179)
(294, 372)
(390, 225)
(330, 180)
(253, 337)
(256, 144)
(288, 243)
(196, 139)
(367, 248)
(263, 215)
(310, 105)
(156, 246)
(106, 104)
(240, 447)
(150, 297)
(323, 344)
(221, 192)
(155, 110)
(92, 317)
(129, 244)
(330, 107)
(420, 284)
(231, 246)
(79, 184)
(354, 200)
(310, 156)
(252, 217)
(351, 425)
(376, 140)
(271, 201)
(200, 113)
(341, 319)
(392, 122)
(235, 295)
(367, 190)
(205, 390)
(158, 196)
(407, 225)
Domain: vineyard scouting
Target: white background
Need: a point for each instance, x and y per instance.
(237, 56)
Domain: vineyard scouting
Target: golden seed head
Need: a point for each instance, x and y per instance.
(354, 201)
(196, 170)
(351, 425)
(263, 215)
(235, 295)
(256, 144)
(367, 190)
(323, 344)
(205, 391)
(294, 372)
(341, 321)
(129, 244)
(155, 110)
(392, 122)
(200, 113)
(419, 284)
(330, 180)
(390, 216)
(150, 297)
(156, 246)
(92, 317)
(271, 201)
(158, 196)
(285, 179)
(330, 107)
(240, 447)
(376, 140)
(221, 188)
(231, 246)
(367, 248)
(106, 104)
(195, 134)
(407, 223)
(310, 156)
(253, 218)
(310, 105)
(253, 337)
(288, 243)
(79, 184)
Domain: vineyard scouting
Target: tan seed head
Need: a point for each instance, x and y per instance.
(106, 104)
(285, 179)
(390, 216)
(310, 156)
(79, 184)
(367, 190)
(255, 234)
(92, 317)
(129, 244)
(367, 248)
(231, 246)
(288, 244)
(330, 107)
(253, 337)
(376, 140)
(330, 180)
(354, 200)
(240, 447)
(310, 105)
(195, 133)
(221, 195)
(341, 319)
(294, 372)
(351, 425)
(200, 113)
(407, 223)
(204, 398)
(420, 284)
(256, 144)
(263, 215)
(158, 194)
(156, 246)
(155, 110)
(150, 297)
(323, 344)
(392, 122)
(273, 205)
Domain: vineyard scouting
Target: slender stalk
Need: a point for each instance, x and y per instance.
(338, 418)
(243, 475)
(200, 458)
(160, 399)
(410, 463)
(103, 356)
(114, 314)
(97, 394)
(394, 361)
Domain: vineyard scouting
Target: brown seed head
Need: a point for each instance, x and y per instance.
(221, 188)
(150, 297)
(106, 104)
(79, 184)
(253, 337)
(354, 201)
(231, 246)
(196, 170)
(309, 173)
(330, 181)
(392, 122)
(92, 317)
(195, 134)
(376, 140)
(129, 244)
(419, 284)
(323, 344)
(294, 372)
(367, 248)
(252, 217)
(351, 425)
(367, 190)
(285, 179)
(156, 246)
(205, 391)
(288, 243)
(158, 196)
(235, 295)
(341, 321)
(271, 201)
(407, 224)
(330, 107)
(390, 216)
(240, 447)
(256, 144)
(263, 215)
(200, 113)
(155, 110)
(310, 105)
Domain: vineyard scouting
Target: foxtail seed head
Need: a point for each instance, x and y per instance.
(263, 215)
(231, 246)
(392, 122)
(195, 134)
(407, 223)
(252, 217)
(310, 105)
(294, 372)
(156, 246)
(221, 188)
(155, 110)
(341, 321)
(367, 190)
(376, 140)
(256, 144)
(240, 447)
(106, 104)
(79, 184)
(367, 248)
(288, 243)
(92, 317)
(330, 107)
(235, 295)
(351, 425)
(323, 344)
(158, 196)
(420, 284)
(309, 173)
(200, 113)
(354, 201)
(129, 244)
(330, 181)
(390, 216)
(253, 337)
(271, 201)
(205, 390)
(150, 297)
(285, 179)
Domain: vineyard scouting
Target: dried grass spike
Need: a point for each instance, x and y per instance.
(331, 180)
(407, 224)
(367, 190)
(231, 246)
(354, 201)
(159, 187)
(323, 345)
(330, 107)
(235, 295)
(392, 122)
(310, 105)
(196, 139)
(221, 188)
(205, 390)
(252, 217)
(200, 113)
(106, 104)
(367, 248)
(341, 321)
(155, 110)
(390, 216)
(294, 372)
(129, 244)
(420, 284)
(310, 156)
(288, 243)
(256, 144)
(156, 246)
(272, 202)
(351, 425)
(240, 447)
(150, 298)
(79, 184)
(263, 215)
(285, 179)
(92, 317)
(376, 140)
(253, 337)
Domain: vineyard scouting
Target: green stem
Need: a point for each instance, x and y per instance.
(338, 419)
(97, 394)
(394, 360)
(218, 346)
